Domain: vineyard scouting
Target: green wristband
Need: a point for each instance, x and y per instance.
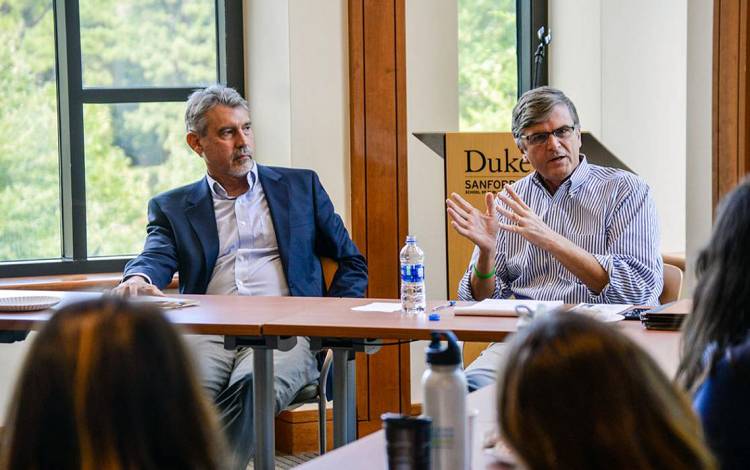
(482, 275)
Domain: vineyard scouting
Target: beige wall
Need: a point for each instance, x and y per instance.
(699, 83)
(268, 79)
(319, 93)
(432, 105)
(298, 86)
(624, 64)
(575, 57)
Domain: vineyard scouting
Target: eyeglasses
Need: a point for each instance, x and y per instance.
(562, 133)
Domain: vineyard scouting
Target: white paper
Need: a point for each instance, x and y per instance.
(379, 307)
(504, 307)
(164, 302)
(604, 308)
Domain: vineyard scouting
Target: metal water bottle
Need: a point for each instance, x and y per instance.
(412, 277)
(444, 391)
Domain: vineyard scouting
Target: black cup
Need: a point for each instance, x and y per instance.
(407, 441)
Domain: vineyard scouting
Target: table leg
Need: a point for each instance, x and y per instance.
(351, 402)
(344, 398)
(264, 397)
(263, 401)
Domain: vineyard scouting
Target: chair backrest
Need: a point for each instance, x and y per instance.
(672, 284)
(329, 266)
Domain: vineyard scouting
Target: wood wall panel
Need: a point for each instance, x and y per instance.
(403, 182)
(357, 124)
(358, 169)
(731, 101)
(379, 199)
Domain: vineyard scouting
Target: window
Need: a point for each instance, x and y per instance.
(496, 41)
(91, 121)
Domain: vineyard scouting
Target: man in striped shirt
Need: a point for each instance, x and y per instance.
(569, 231)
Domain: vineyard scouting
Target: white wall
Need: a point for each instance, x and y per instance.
(319, 58)
(268, 78)
(575, 57)
(432, 105)
(699, 70)
(298, 86)
(633, 95)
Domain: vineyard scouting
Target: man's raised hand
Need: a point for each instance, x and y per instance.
(523, 220)
(479, 227)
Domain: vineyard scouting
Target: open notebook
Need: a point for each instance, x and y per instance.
(503, 307)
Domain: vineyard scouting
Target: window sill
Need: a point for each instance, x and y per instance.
(98, 281)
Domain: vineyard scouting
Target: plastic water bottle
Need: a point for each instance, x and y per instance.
(412, 277)
(444, 392)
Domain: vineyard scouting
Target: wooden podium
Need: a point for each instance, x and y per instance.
(479, 162)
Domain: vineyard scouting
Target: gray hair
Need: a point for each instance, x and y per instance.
(202, 101)
(535, 106)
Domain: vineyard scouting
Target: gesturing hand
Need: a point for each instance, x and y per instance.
(524, 221)
(479, 227)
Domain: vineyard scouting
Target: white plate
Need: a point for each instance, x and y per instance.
(27, 303)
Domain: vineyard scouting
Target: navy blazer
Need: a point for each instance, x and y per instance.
(182, 236)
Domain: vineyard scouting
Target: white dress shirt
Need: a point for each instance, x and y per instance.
(248, 262)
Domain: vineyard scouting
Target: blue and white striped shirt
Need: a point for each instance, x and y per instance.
(607, 212)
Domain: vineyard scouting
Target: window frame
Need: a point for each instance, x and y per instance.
(71, 98)
(530, 16)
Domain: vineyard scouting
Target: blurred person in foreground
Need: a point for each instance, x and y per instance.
(576, 393)
(569, 231)
(715, 352)
(109, 385)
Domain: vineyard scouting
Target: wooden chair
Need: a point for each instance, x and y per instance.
(672, 284)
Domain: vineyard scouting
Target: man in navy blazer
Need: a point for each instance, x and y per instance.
(243, 229)
(182, 237)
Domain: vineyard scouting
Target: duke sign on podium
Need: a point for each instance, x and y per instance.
(476, 163)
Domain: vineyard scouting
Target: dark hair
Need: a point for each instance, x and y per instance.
(107, 384)
(535, 106)
(575, 393)
(721, 300)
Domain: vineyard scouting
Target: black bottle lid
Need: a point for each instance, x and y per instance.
(440, 354)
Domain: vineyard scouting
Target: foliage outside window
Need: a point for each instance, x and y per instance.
(29, 184)
(487, 64)
(133, 150)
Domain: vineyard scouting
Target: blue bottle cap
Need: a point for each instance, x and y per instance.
(434, 316)
(448, 354)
